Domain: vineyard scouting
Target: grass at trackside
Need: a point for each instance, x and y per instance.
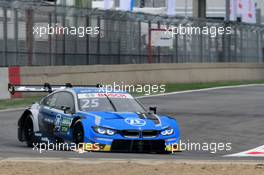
(22, 102)
(19, 102)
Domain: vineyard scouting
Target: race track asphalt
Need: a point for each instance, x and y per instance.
(232, 115)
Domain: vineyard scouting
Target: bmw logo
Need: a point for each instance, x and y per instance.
(135, 122)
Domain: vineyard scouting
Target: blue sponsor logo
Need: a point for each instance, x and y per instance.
(135, 122)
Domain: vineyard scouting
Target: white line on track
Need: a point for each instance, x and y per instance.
(201, 90)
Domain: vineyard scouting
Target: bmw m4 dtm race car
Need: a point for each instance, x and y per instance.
(113, 120)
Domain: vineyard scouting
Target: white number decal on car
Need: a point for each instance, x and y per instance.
(90, 103)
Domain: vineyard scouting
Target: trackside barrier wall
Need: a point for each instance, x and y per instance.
(143, 73)
(4, 79)
(129, 74)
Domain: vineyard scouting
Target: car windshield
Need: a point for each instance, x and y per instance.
(108, 102)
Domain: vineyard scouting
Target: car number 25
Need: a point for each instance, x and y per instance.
(90, 103)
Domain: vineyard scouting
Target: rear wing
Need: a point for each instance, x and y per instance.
(46, 87)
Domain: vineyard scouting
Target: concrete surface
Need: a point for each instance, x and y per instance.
(232, 115)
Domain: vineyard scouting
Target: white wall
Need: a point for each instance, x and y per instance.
(4, 80)
(142, 73)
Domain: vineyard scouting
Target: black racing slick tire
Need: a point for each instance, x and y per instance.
(28, 131)
(78, 133)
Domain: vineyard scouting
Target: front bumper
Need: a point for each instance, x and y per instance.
(117, 143)
(138, 146)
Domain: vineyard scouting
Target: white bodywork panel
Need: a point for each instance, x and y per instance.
(35, 111)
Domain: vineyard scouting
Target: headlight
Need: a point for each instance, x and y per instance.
(101, 130)
(110, 132)
(104, 131)
(166, 132)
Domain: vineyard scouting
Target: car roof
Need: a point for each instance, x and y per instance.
(79, 90)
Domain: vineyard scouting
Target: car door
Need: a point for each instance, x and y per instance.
(53, 120)
(63, 114)
(46, 117)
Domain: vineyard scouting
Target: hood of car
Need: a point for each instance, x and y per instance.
(129, 120)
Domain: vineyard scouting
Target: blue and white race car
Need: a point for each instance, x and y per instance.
(112, 120)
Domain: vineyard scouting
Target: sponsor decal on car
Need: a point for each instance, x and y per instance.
(103, 95)
(135, 122)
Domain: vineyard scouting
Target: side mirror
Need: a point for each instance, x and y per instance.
(153, 109)
(66, 109)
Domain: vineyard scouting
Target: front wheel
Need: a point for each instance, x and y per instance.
(28, 131)
(78, 133)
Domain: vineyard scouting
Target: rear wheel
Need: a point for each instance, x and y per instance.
(28, 131)
(78, 133)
